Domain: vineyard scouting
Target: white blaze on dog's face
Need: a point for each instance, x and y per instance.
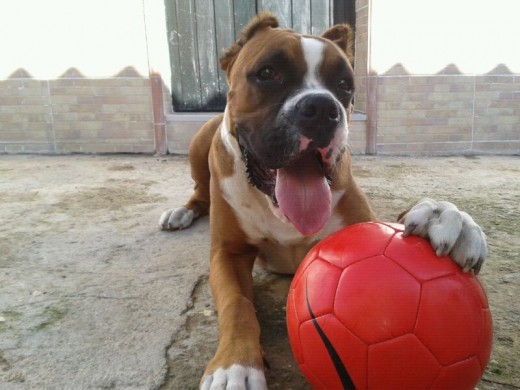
(288, 105)
(314, 89)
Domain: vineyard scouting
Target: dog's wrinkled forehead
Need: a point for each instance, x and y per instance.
(299, 57)
(262, 42)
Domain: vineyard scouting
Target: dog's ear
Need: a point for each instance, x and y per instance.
(259, 22)
(343, 36)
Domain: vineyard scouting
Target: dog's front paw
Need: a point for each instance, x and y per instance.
(175, 219)
(236, 377)
(450, 231)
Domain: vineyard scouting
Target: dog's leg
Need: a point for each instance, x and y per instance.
(449, 230)
(198, 205)
(238, 361)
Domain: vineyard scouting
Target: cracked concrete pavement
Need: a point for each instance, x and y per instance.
(92, 292)
(94, 296)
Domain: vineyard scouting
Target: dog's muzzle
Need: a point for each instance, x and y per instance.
(317, 116)
(292, 162)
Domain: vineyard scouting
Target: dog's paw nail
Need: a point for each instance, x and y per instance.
(469, 264)
(442, 249)
(478, 266)
(409, 229)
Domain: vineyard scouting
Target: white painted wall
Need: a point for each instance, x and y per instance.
(425, 36)
(97, 37)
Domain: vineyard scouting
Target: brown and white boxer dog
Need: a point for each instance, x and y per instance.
(276, 171)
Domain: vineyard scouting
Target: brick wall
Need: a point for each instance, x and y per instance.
(448, 112)
(74, 114)
(444, 113)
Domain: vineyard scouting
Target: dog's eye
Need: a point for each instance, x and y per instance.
(344, 86)
(267, 73)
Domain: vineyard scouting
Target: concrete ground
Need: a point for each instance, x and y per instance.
(94, 296)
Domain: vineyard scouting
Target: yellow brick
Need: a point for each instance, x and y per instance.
(496, 87)
(495, 79)
(393, 80)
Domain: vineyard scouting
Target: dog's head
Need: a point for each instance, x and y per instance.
(289, 102)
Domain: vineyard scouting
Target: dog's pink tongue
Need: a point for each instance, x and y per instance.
(304, 195)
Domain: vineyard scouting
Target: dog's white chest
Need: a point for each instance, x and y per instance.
(281, 245)
(255, 212)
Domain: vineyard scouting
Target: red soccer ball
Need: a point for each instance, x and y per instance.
(369, 308)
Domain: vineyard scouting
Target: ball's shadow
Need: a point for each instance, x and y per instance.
(270, 301)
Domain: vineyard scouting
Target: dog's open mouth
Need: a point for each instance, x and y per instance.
(301, 189)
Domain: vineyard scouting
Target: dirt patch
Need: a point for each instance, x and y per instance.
(115, 196)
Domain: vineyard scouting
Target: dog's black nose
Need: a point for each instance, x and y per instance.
(318, 116)
(320, 108)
